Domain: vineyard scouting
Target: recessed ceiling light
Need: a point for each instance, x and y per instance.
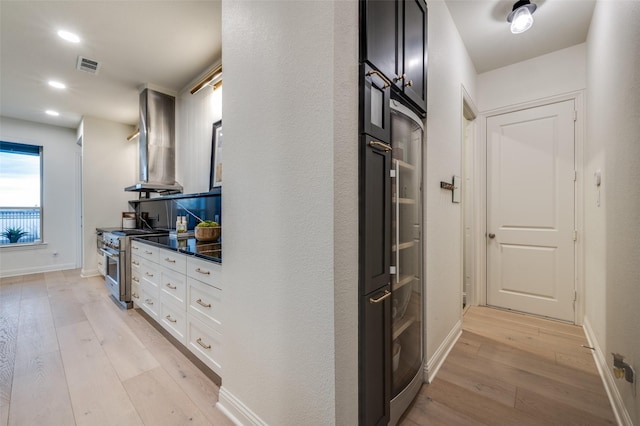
(52, 112)
(70, 37)
(57, 84)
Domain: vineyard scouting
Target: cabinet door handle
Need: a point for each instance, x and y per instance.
(169, 260)
(148, 252)
(135, 296)
(204, 345)
(171, 319)
(172, 287)
(202, 271)
(408, 83)
(135, 279)
(380, 146)
(400, 77)
(386, 294)
(148, 301)
(201, 303)
(135, 263)
(148, 274)
(387, 83)
(134, 247)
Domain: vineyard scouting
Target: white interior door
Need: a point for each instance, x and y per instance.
(530, 210)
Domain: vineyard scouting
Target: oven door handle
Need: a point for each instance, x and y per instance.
(109, 254)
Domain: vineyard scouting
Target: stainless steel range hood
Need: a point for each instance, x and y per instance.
(157, 144)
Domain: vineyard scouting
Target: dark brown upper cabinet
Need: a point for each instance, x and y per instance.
(394, 41)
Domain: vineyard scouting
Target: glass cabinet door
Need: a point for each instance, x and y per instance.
(406, 252)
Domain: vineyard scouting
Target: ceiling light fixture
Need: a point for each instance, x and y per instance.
(68, 36)
(521, 16)
(57, 84)
(52, 112)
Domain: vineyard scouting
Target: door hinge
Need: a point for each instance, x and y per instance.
(575, 235)
(575, 175)
(392, 270)
(575, 296)
(392, 173)
(575, 115)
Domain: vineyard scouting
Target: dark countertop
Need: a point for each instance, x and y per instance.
(190, 246)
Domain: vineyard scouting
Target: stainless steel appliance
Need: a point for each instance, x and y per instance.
(116, 247)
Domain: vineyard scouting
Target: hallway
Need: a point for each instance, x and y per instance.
(513, 369)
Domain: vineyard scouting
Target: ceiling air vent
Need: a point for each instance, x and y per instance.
(88, 65)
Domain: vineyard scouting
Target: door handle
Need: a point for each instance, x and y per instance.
(387, 83)
(386, 294)
(492, 235)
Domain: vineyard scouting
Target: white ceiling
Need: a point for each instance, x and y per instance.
(168, 43)
(484, 29)
(162, 43)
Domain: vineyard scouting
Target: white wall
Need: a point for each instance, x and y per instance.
(60, 191)
(548, 75)
(449, 68)
(613, 230)
(109, 164)
(195, 115)
(289, 109)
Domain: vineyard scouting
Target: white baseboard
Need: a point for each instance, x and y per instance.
(36, 270)
(433, 365)
(617, 404)
(236, 411)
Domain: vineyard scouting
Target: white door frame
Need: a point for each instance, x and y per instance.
(480, 195)
(470, 113)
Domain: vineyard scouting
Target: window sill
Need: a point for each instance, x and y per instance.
(24, 246)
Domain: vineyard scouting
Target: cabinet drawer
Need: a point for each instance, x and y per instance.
(136, 293)
(206, 344)
(174, 321)
(149, 273)
(202, 270)
(150, 303)
(173, 288)
(172, 260)
(144, 250)
(205, 303)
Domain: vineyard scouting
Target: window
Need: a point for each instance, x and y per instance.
(20, 193)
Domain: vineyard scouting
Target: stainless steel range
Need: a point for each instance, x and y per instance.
(116, 247)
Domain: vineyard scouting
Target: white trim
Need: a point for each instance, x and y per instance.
(86, 273)
(481, 167)
(433, 365)
(236, 411)
(619, 410)
(36, 270)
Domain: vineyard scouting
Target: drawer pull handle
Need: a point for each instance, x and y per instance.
(202, 271)
(380, 146)
(134, 247)
(204, 345)
(135, 263)
(201, 303)
(172, 287)
(387, 83)
(171, 319)
(135, 296)
(136, 279)
(148, 301)
(148, 274)
(148, 252)
(169, 260)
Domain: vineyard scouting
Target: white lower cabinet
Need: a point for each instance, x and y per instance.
(184, 295)
(206, 344)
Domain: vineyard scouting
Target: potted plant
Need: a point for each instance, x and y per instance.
(207, 230)
(13, 234)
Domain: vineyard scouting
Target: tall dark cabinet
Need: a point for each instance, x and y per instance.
(393, 100)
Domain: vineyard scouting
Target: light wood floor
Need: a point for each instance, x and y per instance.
(69, 355)
(514, 369)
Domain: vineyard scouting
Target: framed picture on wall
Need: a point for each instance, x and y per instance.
(216, 155)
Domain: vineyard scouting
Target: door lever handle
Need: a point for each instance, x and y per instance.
(492, 235)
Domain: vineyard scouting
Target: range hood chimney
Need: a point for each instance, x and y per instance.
(157, 144)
